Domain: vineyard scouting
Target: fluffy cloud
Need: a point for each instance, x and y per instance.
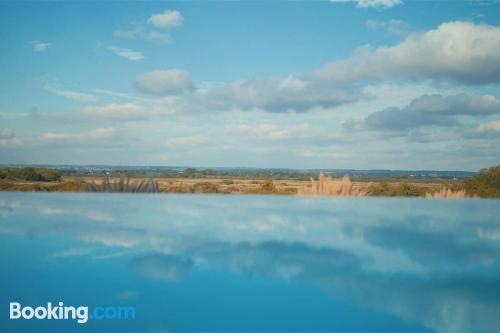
(371, 3)
(164, 82)
(456, 51)
(277, 94)
(126, 111)
(167, 19)
(268, 94)
(126, 53)
(73, 95)
(432, 110)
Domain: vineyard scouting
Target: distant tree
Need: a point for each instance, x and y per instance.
(485, 184)
(402, 189)
(30, 174)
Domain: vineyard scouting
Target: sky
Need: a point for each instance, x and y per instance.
(359, 84)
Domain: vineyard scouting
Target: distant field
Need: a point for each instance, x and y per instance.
(228, 185)
(377, 183)
(199, 185)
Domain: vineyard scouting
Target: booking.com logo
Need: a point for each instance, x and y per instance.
(62, 312)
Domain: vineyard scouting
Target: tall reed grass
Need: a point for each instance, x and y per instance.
(327, 185)
(446, 193)
(124, 185)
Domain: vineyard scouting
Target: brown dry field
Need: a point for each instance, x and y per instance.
(198, 185)
(251, 184)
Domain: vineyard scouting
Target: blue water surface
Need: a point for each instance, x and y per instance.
(223, 263)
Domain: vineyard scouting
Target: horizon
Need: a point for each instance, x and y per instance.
(361, 85)
(204, 167)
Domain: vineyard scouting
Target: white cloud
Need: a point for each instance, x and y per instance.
(126, 53)
(74, 95)
(126, 111)
(493, 126)
(129, 34)
(52, 136)
(192, 140)
(371, 3)
(167, 19)
(287, 94)
(40, 46)
(431, 110)
(74, 252)
(164, 82)
(99, 133)
(164, 20)
(457, 51)
(159, 37)
(94, 134)
(292, 83)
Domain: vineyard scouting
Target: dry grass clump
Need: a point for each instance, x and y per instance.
(327, 185)
(446, 193)
(124, 185)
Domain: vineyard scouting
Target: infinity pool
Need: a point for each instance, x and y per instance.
(222, 263)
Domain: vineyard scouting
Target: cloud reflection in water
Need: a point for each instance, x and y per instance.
(425, 261)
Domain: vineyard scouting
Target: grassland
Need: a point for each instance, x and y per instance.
(200, 181)
(485, 183)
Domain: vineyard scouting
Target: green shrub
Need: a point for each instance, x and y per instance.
(30, 174)
(485, 184)
(205, 187)
(402, 189)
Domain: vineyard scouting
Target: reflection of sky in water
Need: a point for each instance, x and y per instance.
(250, 263)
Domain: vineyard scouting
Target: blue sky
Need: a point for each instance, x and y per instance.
(324, 84)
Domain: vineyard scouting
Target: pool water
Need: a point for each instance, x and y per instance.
(224, 263)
